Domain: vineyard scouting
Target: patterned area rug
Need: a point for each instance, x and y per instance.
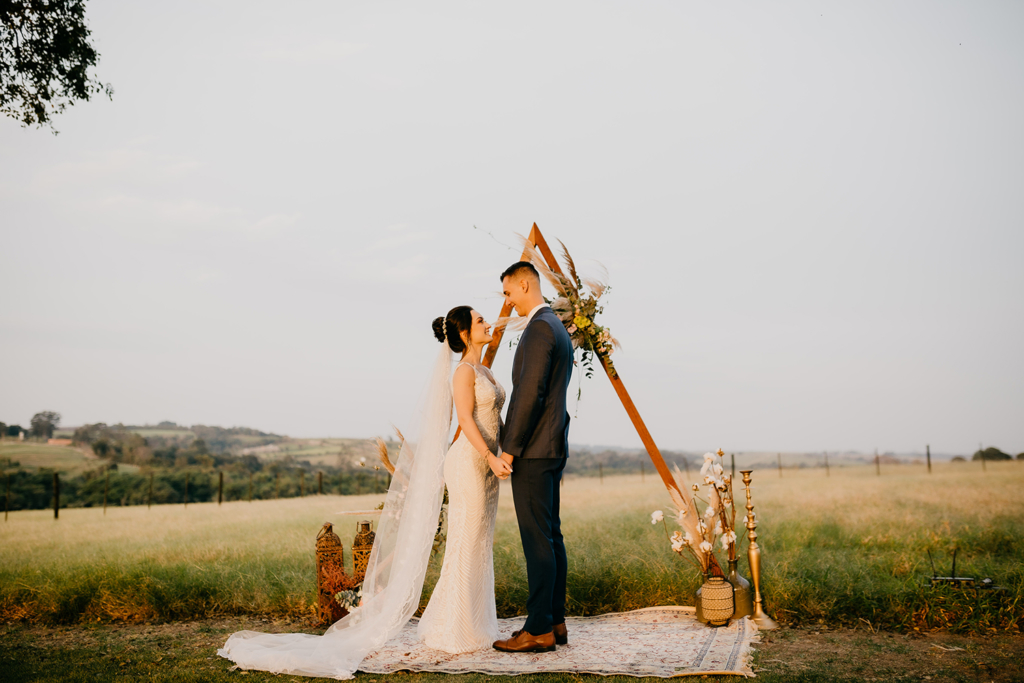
(657, 641)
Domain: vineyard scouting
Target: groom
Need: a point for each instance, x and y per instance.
(536, 439)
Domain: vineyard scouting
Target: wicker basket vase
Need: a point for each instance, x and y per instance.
(715, 602)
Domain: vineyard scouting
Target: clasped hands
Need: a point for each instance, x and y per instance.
(501, 466)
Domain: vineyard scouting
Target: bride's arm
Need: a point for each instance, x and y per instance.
(464, 397)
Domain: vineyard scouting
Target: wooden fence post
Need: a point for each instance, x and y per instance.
(56, 496)
(928, 455)
(220, 488)
(106, 489)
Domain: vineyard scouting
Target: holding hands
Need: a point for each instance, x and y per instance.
(502, 467)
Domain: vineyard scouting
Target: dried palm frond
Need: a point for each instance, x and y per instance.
(597, 285)
(559, 282)
(513, 323)
(570, 264)
(562, 308)
(382, 453)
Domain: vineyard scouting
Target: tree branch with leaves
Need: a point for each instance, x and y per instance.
(45, 59)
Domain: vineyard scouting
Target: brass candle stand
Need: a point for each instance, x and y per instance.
(760, 617)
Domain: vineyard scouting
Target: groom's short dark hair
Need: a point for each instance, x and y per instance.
(520, 269)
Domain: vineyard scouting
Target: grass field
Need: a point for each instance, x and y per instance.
(33, 455)
(846, 549)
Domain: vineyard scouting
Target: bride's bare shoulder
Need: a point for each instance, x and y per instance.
(464, 374)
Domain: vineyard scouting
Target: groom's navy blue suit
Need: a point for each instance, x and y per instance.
(537, 436)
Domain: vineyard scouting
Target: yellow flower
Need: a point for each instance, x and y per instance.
(581, 322)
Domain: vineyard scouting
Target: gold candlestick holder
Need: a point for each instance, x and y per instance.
(760, 617)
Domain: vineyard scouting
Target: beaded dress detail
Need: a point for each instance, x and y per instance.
(461, 616)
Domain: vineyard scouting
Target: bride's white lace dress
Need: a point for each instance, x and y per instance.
(461, 613)
(460, 616)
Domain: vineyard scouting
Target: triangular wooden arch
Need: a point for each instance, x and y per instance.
(537, 240)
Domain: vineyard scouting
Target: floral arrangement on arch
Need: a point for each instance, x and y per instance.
(577, 308)
(701, 529)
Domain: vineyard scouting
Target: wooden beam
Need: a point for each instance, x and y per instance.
(537, 239)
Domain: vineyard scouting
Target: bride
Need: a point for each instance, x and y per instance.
(460, 616)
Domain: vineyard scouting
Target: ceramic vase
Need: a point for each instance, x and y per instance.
(715, 601)
(742, 595)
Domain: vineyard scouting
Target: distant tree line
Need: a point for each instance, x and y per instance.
(158, 468)
(34, 490)
(43, 425)
(993, 453)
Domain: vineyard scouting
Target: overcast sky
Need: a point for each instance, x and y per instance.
(811, 214)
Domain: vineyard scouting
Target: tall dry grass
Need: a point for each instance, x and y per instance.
(847, 548)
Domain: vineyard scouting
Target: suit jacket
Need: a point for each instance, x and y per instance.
(537, 423)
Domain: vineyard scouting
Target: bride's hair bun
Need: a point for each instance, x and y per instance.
(451, 327)
(438, 326)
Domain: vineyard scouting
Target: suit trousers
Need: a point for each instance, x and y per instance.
(535, 493)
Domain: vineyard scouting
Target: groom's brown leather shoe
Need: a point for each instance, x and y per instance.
(561, 634)
(526, 642)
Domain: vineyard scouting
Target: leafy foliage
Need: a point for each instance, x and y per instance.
(44, 423)
(991, 453)
(45, 57)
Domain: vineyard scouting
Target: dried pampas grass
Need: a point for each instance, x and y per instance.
(559, 282)
(382, 450)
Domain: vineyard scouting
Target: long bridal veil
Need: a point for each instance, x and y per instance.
(398, 561)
